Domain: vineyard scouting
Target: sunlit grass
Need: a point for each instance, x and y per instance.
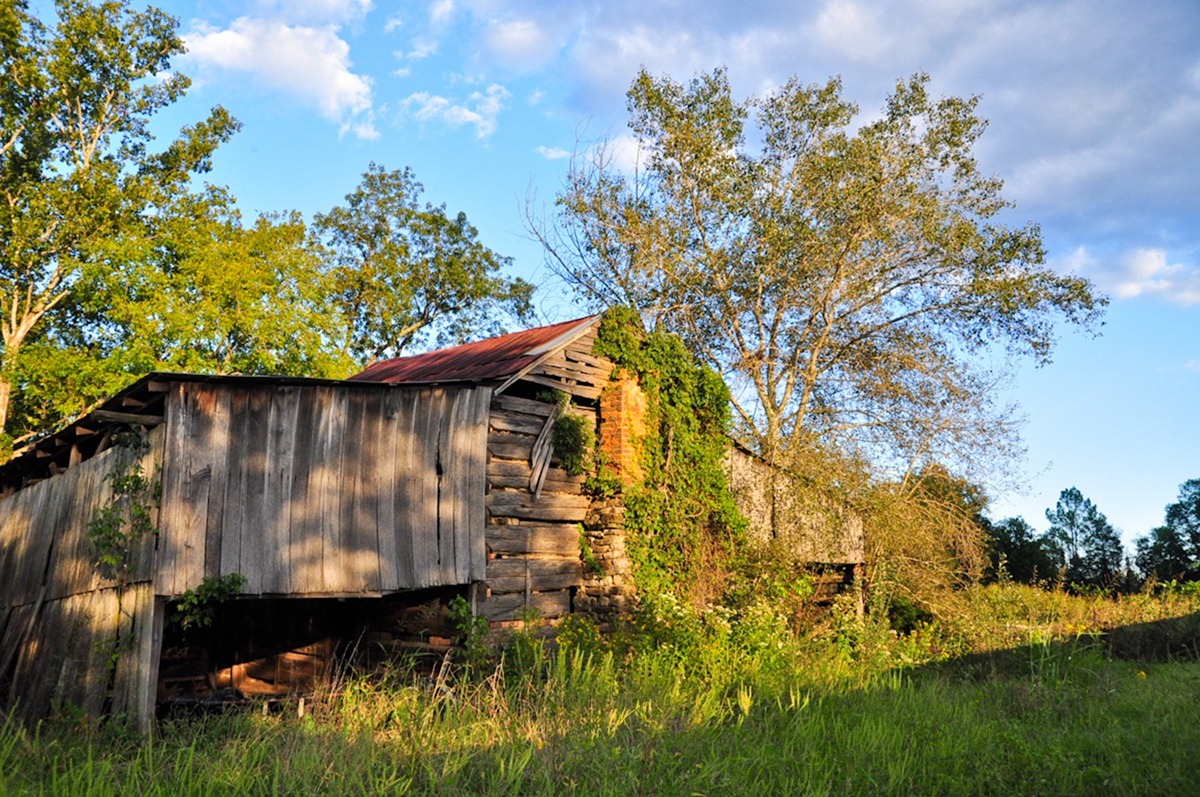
(820, 714)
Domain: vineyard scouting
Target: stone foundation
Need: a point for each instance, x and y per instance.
(609, 595)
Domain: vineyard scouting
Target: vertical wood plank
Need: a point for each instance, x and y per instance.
(187, 474)
(254, 519)
(228, 403)
(359, 505)
(72, 499)
(31, 549)
(331, 490)
(447, 513)
(422, 472)
(387, 427)
(143, 565)
(304, 550)
(280, 461)
(229, 479)
(404, 406)
(477, 483)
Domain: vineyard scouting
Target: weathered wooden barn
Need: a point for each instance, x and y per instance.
(353, 510)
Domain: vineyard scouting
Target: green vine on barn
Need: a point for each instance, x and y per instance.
(684, 529)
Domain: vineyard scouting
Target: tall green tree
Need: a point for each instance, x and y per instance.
(1164, 554)
(1184, 516)
(1172, 551)
(1088, 548)
(78, 177)
(1016, 549)
(406, 273)
(843, 277)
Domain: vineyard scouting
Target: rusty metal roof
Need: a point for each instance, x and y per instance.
(482, 361)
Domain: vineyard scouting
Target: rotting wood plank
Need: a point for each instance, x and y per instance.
(456, 566)
(575, 373)
(231, 480)
(27, 539)
(510, 446)
(96, 650)
(478, 481)
(361, 549)
(517, 606)
(22, 621)
(538, 575)
(516, 474)
(539, 513)
(330, 495)
(421, 472)
(227, 438)
(145, 553)
(107, 416)
(380, 486)
(211, 441)
(542, 538)
(584, 391)
(601, 365)
(280, 463)
(254, 522)
(73, 499)
(520, 423)
(506, 403)
(409, 515)
(186, 479)
(398, 516)
(304, 552)
(445, 486)
(540, 454)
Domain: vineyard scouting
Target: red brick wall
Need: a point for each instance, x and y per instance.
(623, 426)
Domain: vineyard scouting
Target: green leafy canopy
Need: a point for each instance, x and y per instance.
(845, 278)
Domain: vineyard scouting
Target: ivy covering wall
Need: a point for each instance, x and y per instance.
(685, 532)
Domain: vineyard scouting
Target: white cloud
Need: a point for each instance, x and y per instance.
(393, 24)
(553, 153)
(421, 48)
(310, 63)
(850, 28)
(1142, 272)
(481, 109)
(440, 11)
(518, 44)
(315, 10)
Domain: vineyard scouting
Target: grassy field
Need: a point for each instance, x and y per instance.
(1025, 698)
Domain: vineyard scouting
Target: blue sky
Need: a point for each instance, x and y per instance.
(1094, 109)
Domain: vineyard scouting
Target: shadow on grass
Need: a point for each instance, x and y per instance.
(1174, 639)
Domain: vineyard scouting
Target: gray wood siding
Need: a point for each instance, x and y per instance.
(60, 620)
(322, 489)
(533, 536)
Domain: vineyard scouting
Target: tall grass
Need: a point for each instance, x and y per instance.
(691, 705)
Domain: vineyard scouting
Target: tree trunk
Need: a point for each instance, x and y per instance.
(5, 397)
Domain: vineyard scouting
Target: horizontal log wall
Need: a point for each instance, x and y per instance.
(533, 532)
(575, 369)
(323, 490)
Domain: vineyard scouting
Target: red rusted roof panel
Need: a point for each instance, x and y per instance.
(494, 358)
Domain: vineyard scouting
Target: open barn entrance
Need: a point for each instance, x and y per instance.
(273, 648)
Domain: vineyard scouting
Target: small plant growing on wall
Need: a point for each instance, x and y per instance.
(196, 607)
(116, 529)
(574, 436)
